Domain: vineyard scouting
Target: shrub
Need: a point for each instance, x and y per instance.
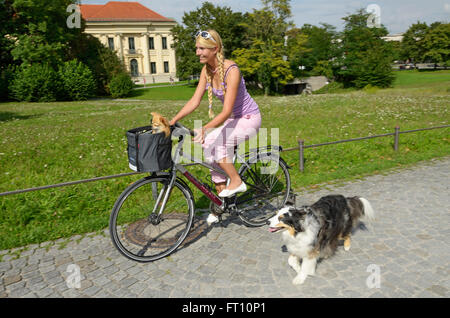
(6, 76)
(333, 87)
(120, 85)
(102, 61)
(323, 68)
(77, 80)
(35, 83)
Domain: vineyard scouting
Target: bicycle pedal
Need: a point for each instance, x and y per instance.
(230, 200)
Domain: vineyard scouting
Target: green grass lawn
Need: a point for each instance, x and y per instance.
(181, 93)
(48, 143)
(417, 78)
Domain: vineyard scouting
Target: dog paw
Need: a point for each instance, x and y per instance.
(347, 248)
(299, 279)
(294, 263)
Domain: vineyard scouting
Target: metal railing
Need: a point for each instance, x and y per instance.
(301, 143)
(301, 148)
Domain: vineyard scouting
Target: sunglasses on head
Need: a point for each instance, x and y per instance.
(205, 35)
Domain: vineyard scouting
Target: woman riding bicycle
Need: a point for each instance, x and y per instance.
(239, 119)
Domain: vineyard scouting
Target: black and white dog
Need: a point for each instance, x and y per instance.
(313, 232)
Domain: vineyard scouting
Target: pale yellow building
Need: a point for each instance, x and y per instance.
(141, 37)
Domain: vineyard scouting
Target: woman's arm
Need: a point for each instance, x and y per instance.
(194, 102)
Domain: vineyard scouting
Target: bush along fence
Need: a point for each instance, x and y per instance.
(301, 143)
(301, 148)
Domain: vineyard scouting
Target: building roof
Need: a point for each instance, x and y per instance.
(120, 11)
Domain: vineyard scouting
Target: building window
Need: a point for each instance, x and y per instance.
(153, 67)
(134, 68)
(166, 67)
(151, 43)
(131, 45)
(164, 43)
(111, 43)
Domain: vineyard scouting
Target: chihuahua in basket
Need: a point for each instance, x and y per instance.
(160, 124)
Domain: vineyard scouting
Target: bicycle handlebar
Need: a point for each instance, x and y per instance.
(185, 129)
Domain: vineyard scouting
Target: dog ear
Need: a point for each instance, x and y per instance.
(296, 220)
(165, 121)
(298, 227)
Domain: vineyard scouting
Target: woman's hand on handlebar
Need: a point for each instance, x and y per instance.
(199, 135)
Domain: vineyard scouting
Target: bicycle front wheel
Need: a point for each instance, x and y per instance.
(268, 188)
(137, 229)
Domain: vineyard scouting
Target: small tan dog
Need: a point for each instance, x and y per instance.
(160, 124)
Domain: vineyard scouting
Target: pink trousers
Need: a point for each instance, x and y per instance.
(220, 143)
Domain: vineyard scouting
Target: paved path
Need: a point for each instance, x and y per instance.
(408, 245)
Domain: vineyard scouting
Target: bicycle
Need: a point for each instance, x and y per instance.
(154, 215)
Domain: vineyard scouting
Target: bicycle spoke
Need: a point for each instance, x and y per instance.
(143, 235)
(268, 190)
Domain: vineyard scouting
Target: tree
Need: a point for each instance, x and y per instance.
(6, 40)
(208, 16)
(437, 43)
(365, 58)
(271, 22)
(413, 43)
(102, 61)
(265, 60)
(310, 45)
(41, 31)
(266, 66)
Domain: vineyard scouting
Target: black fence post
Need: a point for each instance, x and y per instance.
(396, 137)
(300, 154)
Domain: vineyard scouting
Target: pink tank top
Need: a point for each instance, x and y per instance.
(244, 104)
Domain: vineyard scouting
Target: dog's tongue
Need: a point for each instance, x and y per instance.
(272, 229)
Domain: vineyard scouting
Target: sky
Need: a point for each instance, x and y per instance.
(396, 15)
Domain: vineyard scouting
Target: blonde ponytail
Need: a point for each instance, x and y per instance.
(209, 73)
(220, 59)
(209, 77)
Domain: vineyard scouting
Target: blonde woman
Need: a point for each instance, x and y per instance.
(238, 120)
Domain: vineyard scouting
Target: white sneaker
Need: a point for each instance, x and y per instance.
(228, 193)
(212, 219)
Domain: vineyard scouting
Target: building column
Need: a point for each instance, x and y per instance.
(145, 48)
(159, 54)
(120, 47)
(104, 39)
(172, 57)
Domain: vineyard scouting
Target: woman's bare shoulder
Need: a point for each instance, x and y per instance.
(228, 63)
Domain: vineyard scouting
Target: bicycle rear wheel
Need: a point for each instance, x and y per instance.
(137, 231)
(268, 188)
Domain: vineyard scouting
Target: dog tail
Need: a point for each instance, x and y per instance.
(368, 210)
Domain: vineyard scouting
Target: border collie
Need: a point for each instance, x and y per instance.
(313, 232)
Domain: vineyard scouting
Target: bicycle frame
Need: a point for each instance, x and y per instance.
(221, 203)
(198, 184)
